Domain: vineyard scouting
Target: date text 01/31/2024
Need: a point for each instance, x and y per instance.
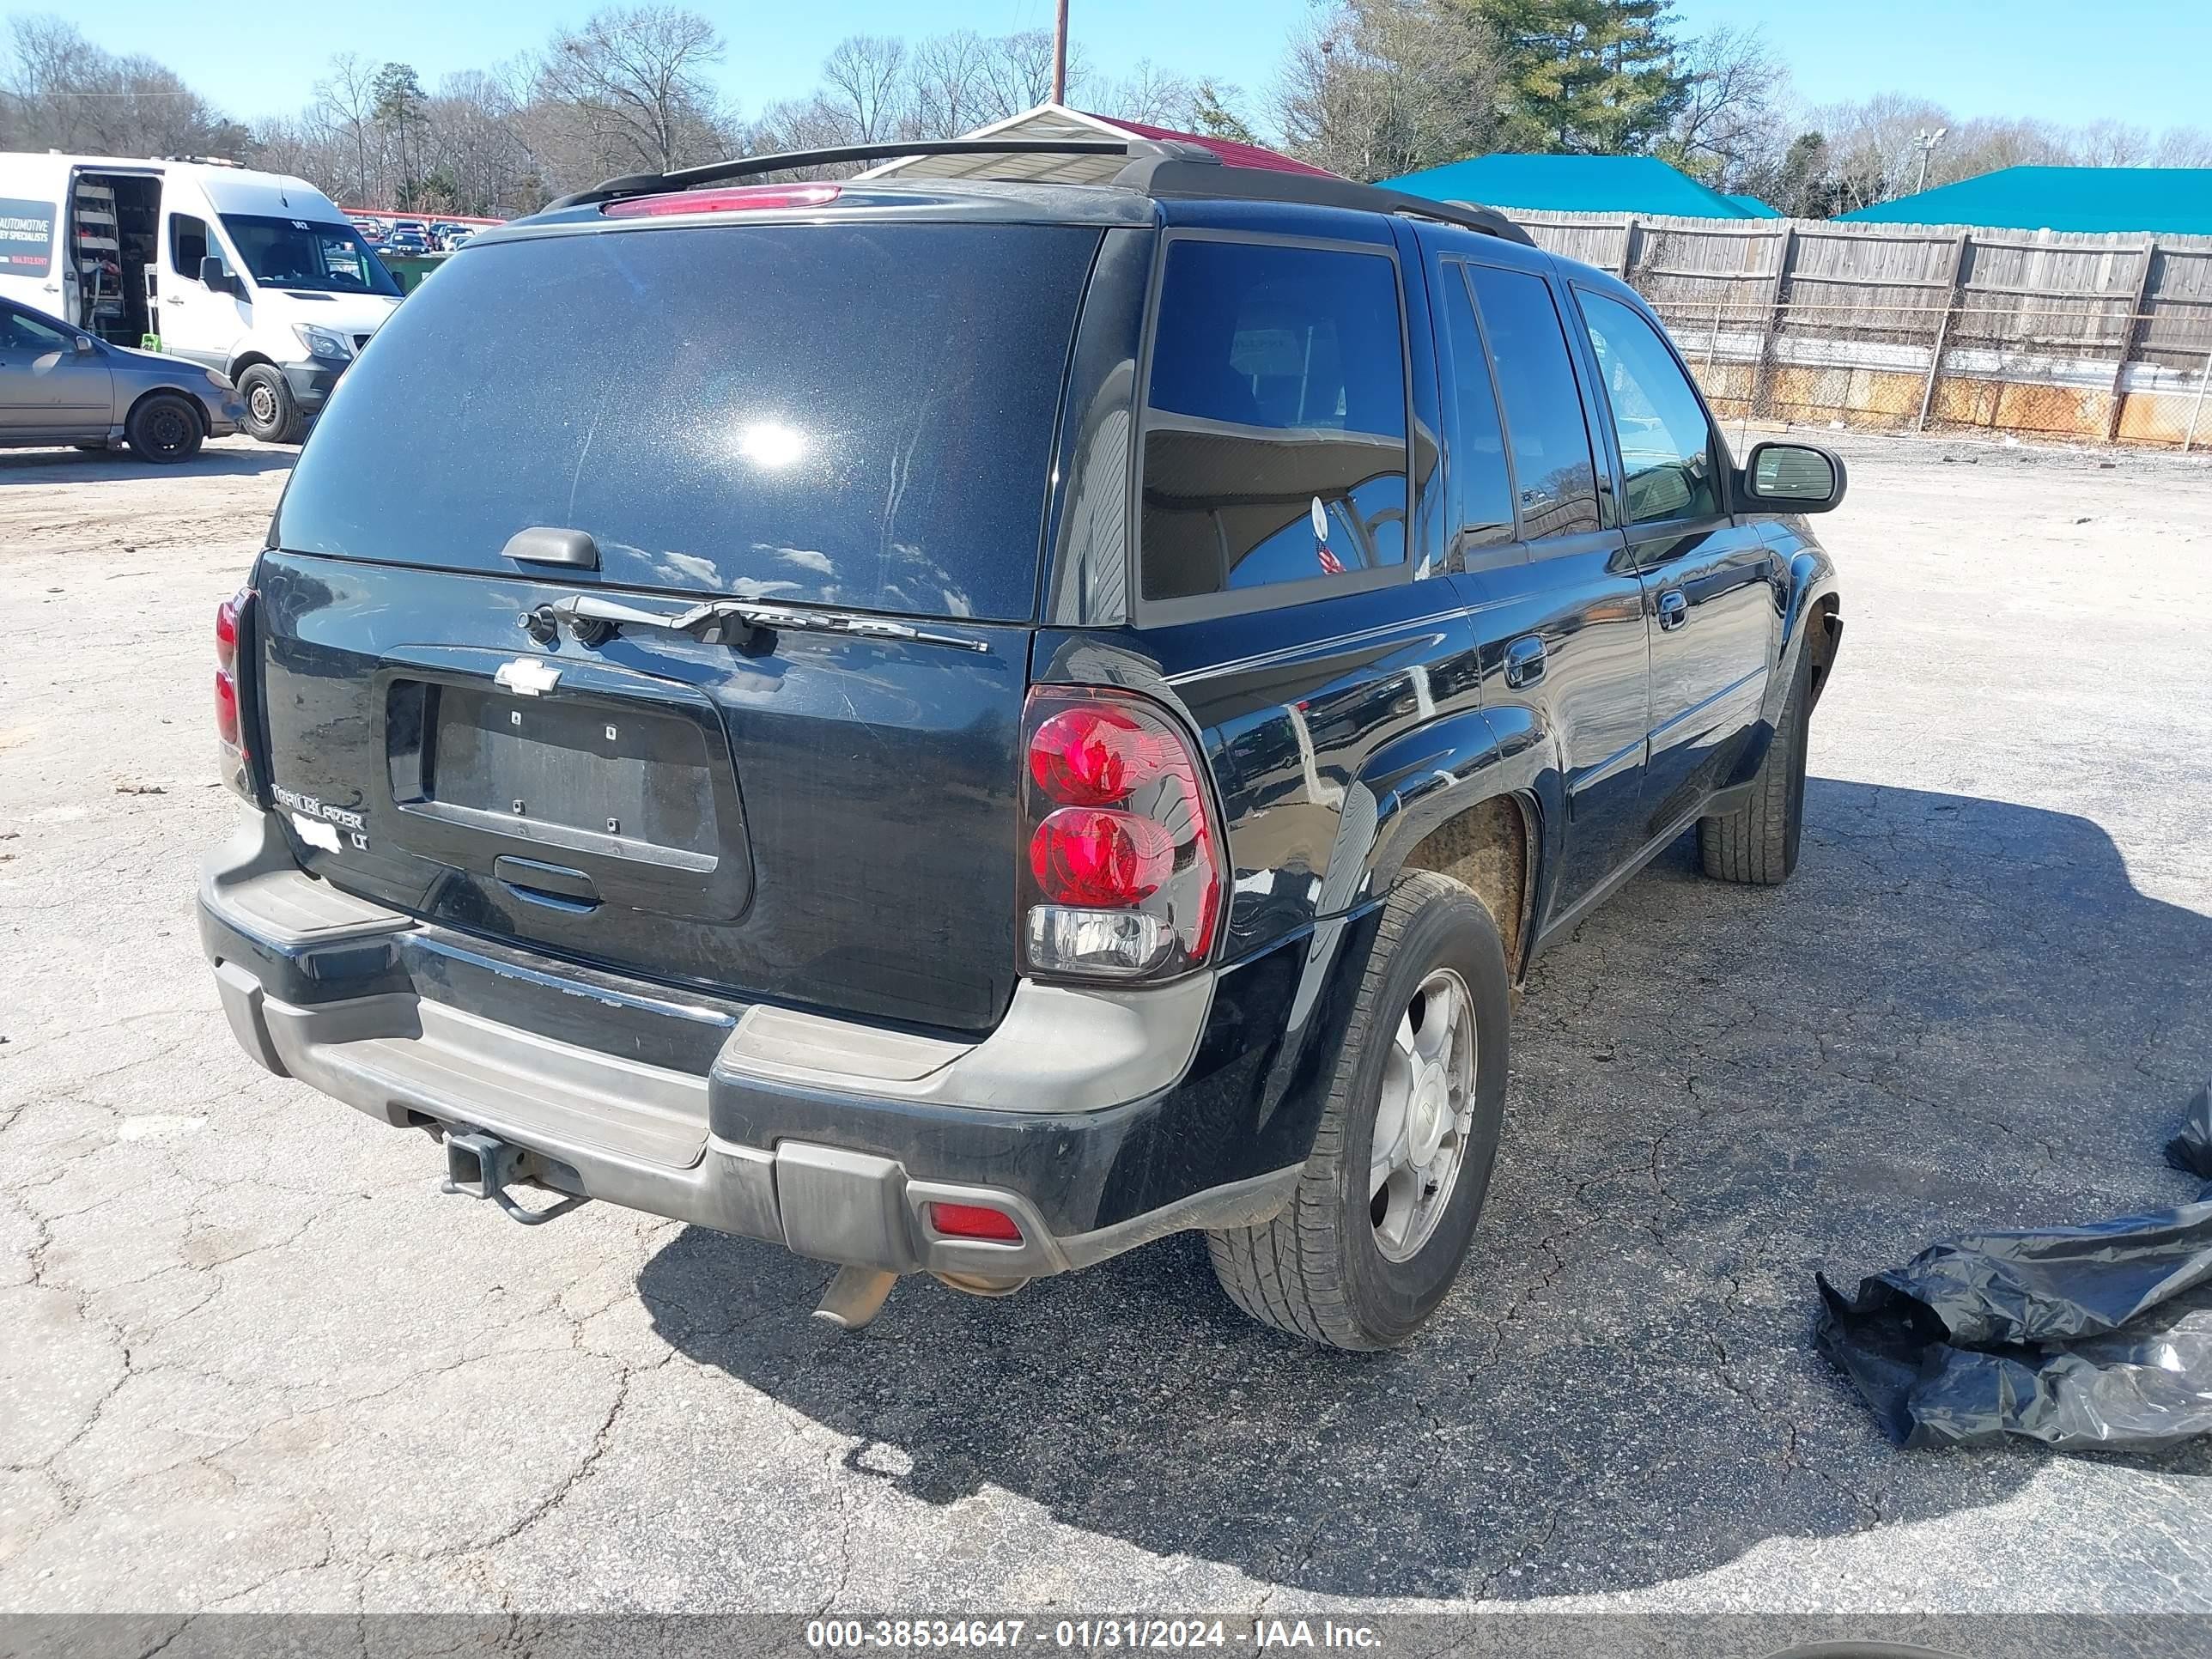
(1086, 1634)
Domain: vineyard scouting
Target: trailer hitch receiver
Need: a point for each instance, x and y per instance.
(480, 1165)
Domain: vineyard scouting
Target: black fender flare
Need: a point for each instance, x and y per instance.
(1425, 778)
(1811, 587)
(1408, 789)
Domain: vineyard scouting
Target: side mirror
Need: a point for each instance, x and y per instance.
(1787, 478)
(84, 345)
(215, 274)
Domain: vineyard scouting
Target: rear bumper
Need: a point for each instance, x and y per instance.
(1097, 1120)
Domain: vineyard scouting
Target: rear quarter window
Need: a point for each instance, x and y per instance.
(1274, 446)
(1552, 466)
(857, 415)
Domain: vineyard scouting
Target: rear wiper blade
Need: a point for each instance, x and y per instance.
(594, 620)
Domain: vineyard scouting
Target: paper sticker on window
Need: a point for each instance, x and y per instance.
(1329, 562)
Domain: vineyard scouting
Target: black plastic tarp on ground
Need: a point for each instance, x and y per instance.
(2191, 1150)
(2078, 1337)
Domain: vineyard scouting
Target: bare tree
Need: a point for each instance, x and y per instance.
(2183, 147)
(636, 76)
(345, 98)
(2111, 144)
(951, 84)
(63, 92)
(865, 80)
(1155, 96)
(1018, 72)
(1731, 128)
(1378, 87)
(875, 90)
(1872, 152)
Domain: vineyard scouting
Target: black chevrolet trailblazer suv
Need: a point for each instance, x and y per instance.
(961, 724)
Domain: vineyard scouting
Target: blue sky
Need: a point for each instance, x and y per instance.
(2151, 65)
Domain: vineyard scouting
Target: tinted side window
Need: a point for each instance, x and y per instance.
(27, 334)
(1275, 419)
(188, 244)
(1665, 443)
(1552, 466)
(1483, 485)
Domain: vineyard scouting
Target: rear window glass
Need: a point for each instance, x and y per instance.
(859, 416)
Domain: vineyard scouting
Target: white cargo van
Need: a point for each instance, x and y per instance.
(253, 274)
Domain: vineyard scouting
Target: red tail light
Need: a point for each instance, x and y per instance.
(1124, 872)
(1084, 856)
(229, 719)
(226, 711)
(756, 197)
(974, 1221)
(226, 633)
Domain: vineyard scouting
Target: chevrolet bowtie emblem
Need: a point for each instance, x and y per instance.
(528, 676)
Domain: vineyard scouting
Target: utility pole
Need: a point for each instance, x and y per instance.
(1925, 143)
(1059, 53)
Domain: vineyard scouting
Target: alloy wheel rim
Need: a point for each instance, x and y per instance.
(1425, 1117)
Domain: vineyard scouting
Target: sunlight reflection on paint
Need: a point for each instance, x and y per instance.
(771, 443)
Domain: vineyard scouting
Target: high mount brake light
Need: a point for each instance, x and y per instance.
(230, 620)
(757, 197)
(1123, 873)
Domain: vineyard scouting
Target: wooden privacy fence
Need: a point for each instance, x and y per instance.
(1923, 326)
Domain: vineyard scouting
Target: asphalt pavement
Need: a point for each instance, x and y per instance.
(254, 1359)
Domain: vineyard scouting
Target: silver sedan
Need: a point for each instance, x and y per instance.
(60, 385)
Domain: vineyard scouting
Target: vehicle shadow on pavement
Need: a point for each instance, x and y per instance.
(1960, 1012)
(50, 466)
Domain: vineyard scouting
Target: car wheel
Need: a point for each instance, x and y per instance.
(1372, 1238)
(1757, 844)
(165, 428)
(272, 414)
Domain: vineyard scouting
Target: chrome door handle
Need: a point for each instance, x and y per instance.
(1673, 609)
(173, 299)
(1524, 661)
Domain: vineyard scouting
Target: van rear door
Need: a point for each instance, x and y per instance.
(851, 422)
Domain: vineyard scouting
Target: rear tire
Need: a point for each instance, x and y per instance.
(1324, 1267)
(1757, 844)
(165, 428)
(272, 413)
